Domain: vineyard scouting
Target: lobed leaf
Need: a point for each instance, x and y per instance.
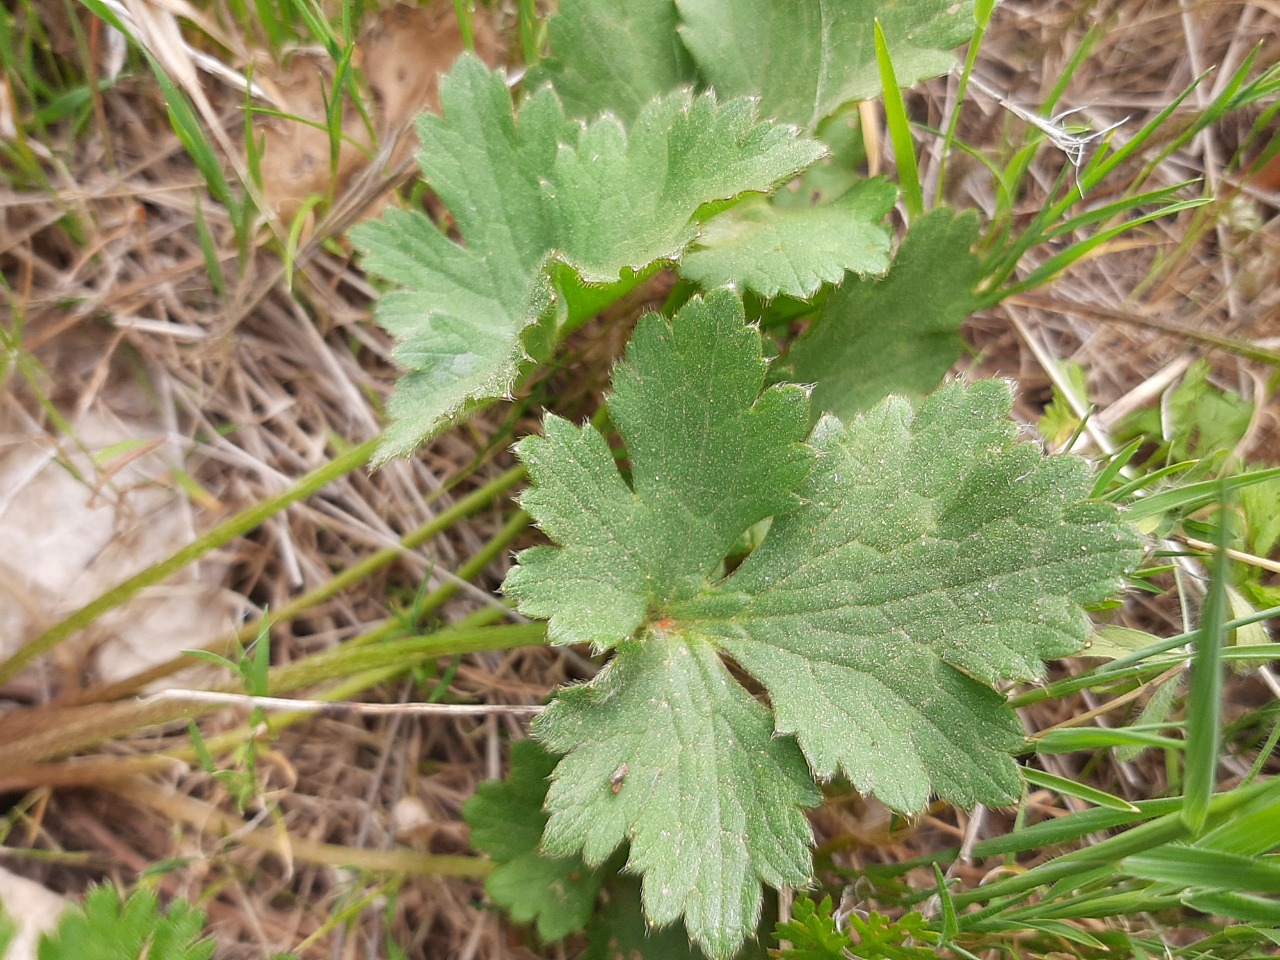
(813, 933)
(913, 560)
(110, 926)
(896, 335)
(709, 799)
(619, 931)
(601, 198)
(688, 401)
(614, 56)
(506, 819)
(805, 58)
(774, 250)
(932, 557)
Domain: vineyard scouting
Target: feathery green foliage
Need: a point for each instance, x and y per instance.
(112, 927)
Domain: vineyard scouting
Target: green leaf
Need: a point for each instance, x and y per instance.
(1060, 422)
(1192, 496)
(1071, 739)
(1240, 906)
(761, 247)
(880, 938)
(619, 931)
(708, 797)
(1115, 642)
(507, 820)
(812, 932)
(109, 928)
(835, 174)
(1203, 419)
(1080, 791)
(1198, 869)
(814, 935)
(1196, 420)
(1251, 635)
(807, 57)
(895, 119)
(932, 556)
(686, 400)
(913, 561)
(1261, 508)
(1055, 928)
(601, 198)
(613, 56)
(1204, 701)
(896, 335)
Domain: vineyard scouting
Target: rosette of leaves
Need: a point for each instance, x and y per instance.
(914, 560)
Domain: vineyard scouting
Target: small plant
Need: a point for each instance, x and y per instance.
(112, 927)
(253, 666)
(814, 934)
(913, 560)
(798, 557)
(794, 583)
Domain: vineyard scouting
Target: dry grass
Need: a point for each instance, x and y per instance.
(247, 388)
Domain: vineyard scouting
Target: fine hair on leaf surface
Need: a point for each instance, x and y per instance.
(603, 198)
(916, 558)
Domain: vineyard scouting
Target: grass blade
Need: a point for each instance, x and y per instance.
(1195, 868)
(982, 12)
(1113, 468)
(1195, 495)
(950, 925)
(895, 116)
(1239, 906)
(1204, 707)
(1099, 738)
(230, 528)
(1080, 791)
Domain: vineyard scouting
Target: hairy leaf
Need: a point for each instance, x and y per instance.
(709, 798)
(110, 928)
(773, 250)
(619, 931)
(896, 335)
(602, 198)
(688, 401)
(932, 557)
(805, 58)
(913, 561)
(814, 935)
(507, 821)
(615, 55)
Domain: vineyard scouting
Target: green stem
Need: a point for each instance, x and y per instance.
(529, 32)
(228, 530)
(465, 10)
(474, 501)
(476, 564)
(1166, 829)
(351, 658)
(64, 731)
(982, 17)
(344, 689)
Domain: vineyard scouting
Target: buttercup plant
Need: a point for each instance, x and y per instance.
(915, 559)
